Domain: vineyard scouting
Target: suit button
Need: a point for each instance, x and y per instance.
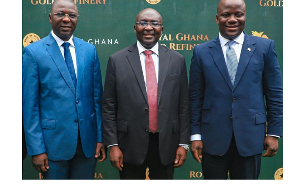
(230, 118)
(147, 131)
(76, 120)
(234, 99)
(146, 110)
(77, 101)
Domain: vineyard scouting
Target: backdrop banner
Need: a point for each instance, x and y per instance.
(108, 24)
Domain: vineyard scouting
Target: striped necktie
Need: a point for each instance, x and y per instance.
(232, 62)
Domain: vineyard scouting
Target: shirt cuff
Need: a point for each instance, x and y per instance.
(273, 135)
(196, 137)
(112, 145)
(183, 144)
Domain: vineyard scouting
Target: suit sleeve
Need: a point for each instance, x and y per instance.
(273, 91)
(30, 104)
(184, 107)
(196, 89)
(98, 95)
(109, 106)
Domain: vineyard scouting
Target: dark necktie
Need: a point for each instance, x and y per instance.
(151, 92)
(232, 62)
(69, 62)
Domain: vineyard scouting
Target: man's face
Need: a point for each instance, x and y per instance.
(148, 35)
(231, 18)
(63, 25)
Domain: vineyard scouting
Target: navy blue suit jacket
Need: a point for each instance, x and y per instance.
(219, 109)
(52, 108)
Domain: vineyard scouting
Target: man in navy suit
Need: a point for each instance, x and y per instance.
(231, 105)
(62, 94)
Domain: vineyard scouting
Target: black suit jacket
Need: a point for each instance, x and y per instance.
(125, 106)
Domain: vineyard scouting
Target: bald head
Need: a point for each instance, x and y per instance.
(223, 3)
(147, 12)
(56, 1)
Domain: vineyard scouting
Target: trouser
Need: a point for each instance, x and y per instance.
(156, 169)
(79, 167)
(217, 167)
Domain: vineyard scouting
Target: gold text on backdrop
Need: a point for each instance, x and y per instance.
(271, 3)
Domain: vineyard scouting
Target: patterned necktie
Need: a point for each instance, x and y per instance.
(69, 62)
(151, 92)
(232, 62)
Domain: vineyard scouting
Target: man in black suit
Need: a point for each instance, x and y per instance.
(146, 105)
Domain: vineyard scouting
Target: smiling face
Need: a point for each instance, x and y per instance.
(64, 26)
(148, 36)
(231, 18)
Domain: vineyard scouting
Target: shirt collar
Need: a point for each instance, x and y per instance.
(239, 39)
(59, 41)
(141, 48)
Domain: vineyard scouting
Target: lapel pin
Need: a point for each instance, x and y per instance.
(249, 49)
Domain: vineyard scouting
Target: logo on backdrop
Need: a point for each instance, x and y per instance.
(259, 34)
(30, 38)
(278, 174)
(153, 2)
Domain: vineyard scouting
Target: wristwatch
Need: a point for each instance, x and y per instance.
(186, 147)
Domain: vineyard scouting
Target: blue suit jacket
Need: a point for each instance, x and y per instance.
(219, 109)
(52, 108)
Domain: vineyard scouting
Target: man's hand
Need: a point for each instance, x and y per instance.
(180, 157)
(271, 145)
(196, 149)
(100, 152)
(40, 162)
(116, 157)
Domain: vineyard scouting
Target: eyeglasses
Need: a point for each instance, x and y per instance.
(145, 24)
(62, 15)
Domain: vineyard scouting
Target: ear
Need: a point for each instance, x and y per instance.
(217, 19)
(50, 18)
(134, 28)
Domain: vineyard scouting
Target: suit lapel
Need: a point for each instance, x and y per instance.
(218, 57)
(246, 54)
(79, 60)
(135, 63)
(59, 61)
(164, 61)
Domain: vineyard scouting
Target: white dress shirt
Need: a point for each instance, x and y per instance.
(59, 42)
(154, 56)
(237, 46)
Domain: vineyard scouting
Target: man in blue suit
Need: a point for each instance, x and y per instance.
(235, 90)
(62, 94)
